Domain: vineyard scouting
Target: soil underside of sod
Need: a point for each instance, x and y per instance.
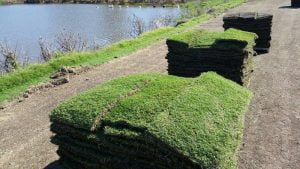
(228, 53)
(258, 23)
(153, 121)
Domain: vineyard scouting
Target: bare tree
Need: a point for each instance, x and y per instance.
(25, 60)
(138, 26)
(95, 45)
(65, 42)
(9, 62)
(46, 51)
(12, 59)
(69, 42)
(193, 9)
(161, 22)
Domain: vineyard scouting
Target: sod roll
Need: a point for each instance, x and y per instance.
(258, 23)
(152, 121)
(228, 53)
(295, 3)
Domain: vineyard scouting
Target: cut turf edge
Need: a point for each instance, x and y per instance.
(202, 122)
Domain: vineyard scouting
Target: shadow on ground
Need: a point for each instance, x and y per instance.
(54, 165)
(288, 7)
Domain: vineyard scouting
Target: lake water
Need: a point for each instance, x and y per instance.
(21, 26)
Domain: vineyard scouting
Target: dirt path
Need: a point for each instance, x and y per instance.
(272, 127)
(272, 137)
(24, 128)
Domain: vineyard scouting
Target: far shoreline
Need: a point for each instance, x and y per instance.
(32, 2)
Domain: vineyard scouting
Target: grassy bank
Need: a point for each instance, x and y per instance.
(197, 122)
(12, 84)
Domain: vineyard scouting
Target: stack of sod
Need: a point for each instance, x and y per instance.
(258, 23)
(153, 121)
(295, 3)
(228, 53)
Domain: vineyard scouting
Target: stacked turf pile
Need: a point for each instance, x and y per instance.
(153, 122)
(295, 3)
(258, 23)
(228, 53)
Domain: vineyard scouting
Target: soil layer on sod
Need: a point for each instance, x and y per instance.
(228, 53)
(295, 3)
(153, 121)
(258, 23)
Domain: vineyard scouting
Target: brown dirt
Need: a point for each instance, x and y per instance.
(272, 124)
(272, 137)
(24, 127)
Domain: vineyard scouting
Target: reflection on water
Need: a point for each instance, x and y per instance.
(23, 25)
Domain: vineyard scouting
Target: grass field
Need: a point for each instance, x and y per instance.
(199, 118)
(12, 84)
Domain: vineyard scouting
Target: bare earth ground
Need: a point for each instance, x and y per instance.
(272, 125)
(272, 128)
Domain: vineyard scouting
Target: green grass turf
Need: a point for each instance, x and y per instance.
(12, 84)
(98, 100)
(204, 39)
(202, 118)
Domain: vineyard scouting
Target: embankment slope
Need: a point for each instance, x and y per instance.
(272, 125)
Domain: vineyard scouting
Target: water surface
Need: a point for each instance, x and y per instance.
(22, 25)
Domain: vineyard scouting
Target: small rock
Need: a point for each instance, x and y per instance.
(57, 75)
(48, 85)
(25, 95)
(72, 70)
(41, 86)
(211, 10)
(29, 91)
(64, 70)
(21, 99)
(181, 22)
(2, 107)
(87, 79)
(68, 70)
(60, 81)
